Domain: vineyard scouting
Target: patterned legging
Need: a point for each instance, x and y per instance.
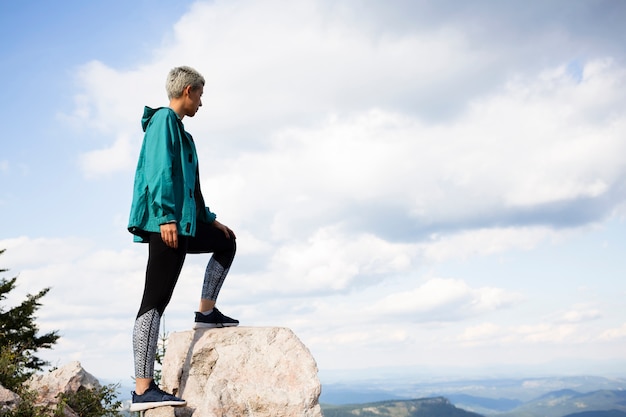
(164, 266)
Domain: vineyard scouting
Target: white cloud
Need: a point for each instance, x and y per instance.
(482, 242)
(579, 314)
(547, 333)
(615, 333)
(79, 274)
(21, 251)
(110, 100)
(305, 61)
(510, 160)
(328, 262)
(121, 156)
(484, 332)
(441, 299)
(567, 327)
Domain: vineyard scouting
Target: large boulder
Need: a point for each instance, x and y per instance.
(240, 371)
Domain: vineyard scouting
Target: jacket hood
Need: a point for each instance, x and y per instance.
(148, 112)
(147, 115)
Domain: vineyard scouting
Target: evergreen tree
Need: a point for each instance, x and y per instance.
(19, 338)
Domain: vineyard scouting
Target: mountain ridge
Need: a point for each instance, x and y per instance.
(496, 397)
(420, 407)
(560, 403)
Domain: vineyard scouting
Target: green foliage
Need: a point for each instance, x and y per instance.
(19, 336)
(97, 402)
(11, 374)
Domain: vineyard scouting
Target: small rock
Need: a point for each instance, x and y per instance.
(8, 399)
(68, 378)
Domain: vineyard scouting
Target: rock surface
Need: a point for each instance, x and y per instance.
(239, 372)
(68, 378)
(8, 399)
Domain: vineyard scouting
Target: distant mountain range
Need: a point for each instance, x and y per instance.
(563, 403)
(610, 413)
(571, 403)
(536, 397)
(423, 407)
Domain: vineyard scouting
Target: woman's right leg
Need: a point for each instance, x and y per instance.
(163, 269)
(210, 239)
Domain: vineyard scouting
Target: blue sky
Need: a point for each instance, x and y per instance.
(438, 186)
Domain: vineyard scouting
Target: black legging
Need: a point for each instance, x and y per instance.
(165, 263)
(162, 272)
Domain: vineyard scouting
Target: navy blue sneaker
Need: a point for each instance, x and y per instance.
(154, 397)
(215, 319)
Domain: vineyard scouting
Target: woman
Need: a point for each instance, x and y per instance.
(168, 212)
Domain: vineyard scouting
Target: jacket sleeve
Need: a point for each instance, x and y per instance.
(160, 157)
(209, 217)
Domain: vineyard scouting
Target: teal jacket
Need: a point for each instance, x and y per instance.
(167, 182)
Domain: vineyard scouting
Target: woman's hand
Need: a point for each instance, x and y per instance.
(229, 233)
(169, 234)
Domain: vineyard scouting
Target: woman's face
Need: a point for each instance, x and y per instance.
(194, 101)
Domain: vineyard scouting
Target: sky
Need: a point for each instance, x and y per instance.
(426, 187)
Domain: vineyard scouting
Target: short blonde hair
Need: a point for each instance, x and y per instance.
(179, 78)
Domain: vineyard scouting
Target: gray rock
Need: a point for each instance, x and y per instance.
(68, 378)
(8, 399)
